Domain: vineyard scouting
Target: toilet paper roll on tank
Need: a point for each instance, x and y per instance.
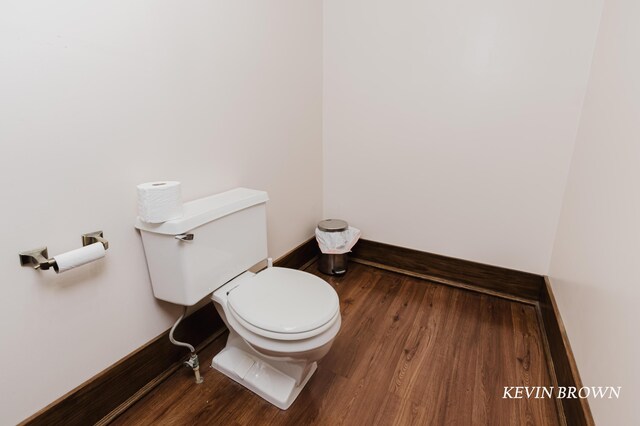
(159, 201)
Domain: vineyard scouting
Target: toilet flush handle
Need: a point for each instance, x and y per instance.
(184, 237)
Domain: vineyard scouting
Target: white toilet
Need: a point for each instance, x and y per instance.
(281, 321)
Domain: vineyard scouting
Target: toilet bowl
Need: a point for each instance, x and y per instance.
(281, 322)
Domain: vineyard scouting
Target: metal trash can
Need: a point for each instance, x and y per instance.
(333, 264)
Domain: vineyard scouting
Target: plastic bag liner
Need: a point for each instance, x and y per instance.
(337, 242)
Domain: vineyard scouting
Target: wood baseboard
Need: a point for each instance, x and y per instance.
(576, 411)
(301, 256)
(448, 270)
(101, 398)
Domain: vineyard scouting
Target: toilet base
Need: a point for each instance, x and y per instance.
(260, 377)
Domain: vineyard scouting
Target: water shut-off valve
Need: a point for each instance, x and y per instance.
(194, 364)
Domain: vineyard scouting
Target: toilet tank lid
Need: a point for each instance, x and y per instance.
(207, 209)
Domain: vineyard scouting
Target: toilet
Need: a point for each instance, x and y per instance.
(281, 321)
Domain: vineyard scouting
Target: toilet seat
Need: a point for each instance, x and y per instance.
(283, 336)
(282, 346)
(284, 304)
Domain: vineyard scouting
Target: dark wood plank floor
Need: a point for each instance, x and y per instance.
(409, 352)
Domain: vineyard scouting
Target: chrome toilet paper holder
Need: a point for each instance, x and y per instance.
(94, 237)
(39, 258)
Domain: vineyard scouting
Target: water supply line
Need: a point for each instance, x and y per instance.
(192, 362)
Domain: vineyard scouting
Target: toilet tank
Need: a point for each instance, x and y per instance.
(229, 236)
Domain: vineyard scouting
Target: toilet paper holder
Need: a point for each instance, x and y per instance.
(39, 258)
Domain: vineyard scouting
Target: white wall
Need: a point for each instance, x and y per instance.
(96, 97)
(595, 269)
(449, 125)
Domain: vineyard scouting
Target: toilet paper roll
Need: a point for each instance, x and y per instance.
(159, 201)
(74, 258)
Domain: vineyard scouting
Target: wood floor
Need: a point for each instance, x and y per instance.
(409, 352)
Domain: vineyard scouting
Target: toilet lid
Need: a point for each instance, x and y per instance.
(282, 300)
